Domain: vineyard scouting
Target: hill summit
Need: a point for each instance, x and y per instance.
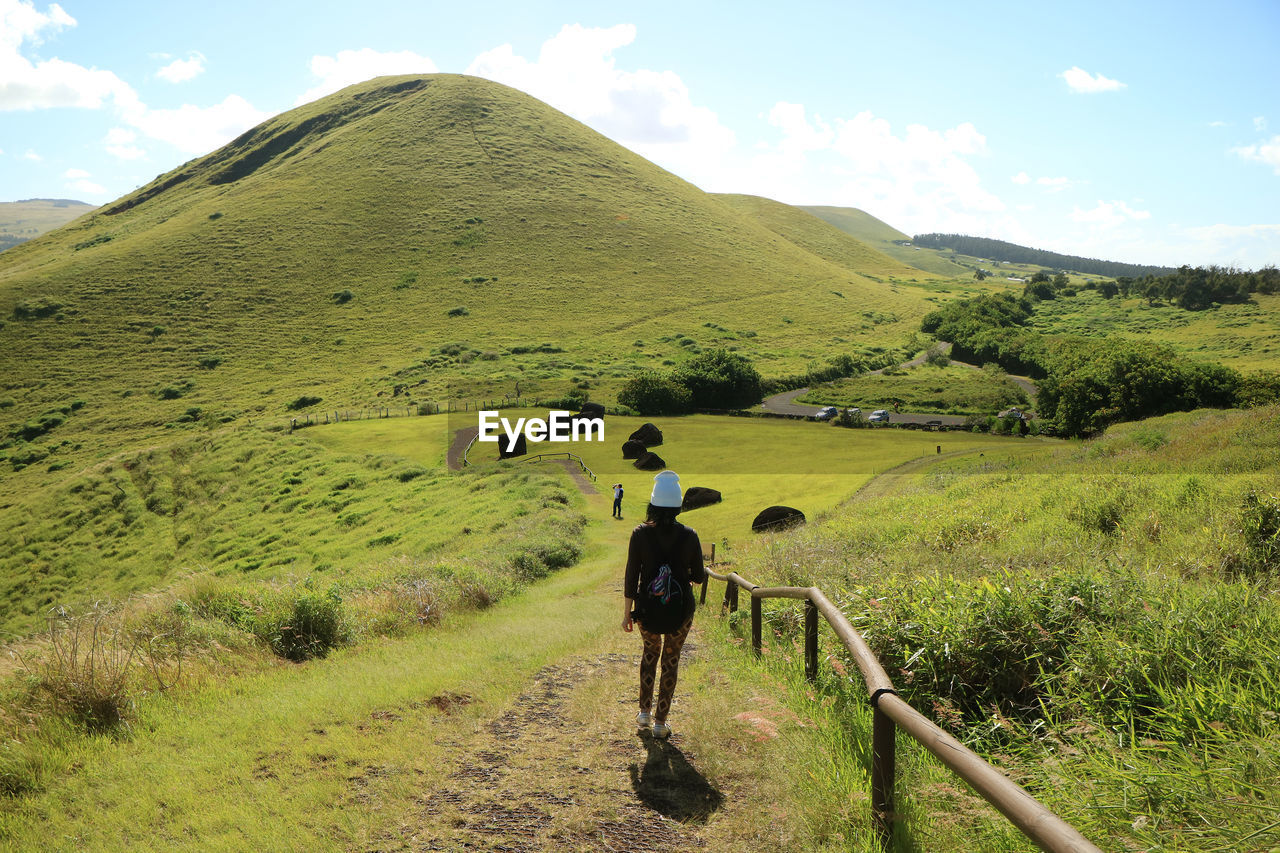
(434, 235)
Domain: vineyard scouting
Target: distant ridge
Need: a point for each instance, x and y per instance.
(56, 202)
(999, 250)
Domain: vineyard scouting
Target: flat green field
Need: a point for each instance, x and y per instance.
(757, 462)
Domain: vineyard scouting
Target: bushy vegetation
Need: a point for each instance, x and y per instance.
(1085, 615)
(715, 379)
(1198, 288)
(1087, 384)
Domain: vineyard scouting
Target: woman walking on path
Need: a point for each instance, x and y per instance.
(664, 559)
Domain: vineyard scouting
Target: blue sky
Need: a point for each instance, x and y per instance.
(1135, 131)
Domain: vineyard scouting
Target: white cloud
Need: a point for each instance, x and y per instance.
(27, 85)
(1021, 178)
(648, 111)
(1248, 246)
(1217, 124)
(87, 187)
(1108, 214)
(1267, 152)
(75, 173)
(356, 66)
(1082, 81)
(20, 21)
(1053, 185)
(33, 156)
(199, 130)
(119, 143)
(1260, 124)
(31, 85)
(182, 70)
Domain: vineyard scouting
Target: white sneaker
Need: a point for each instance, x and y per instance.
(661, 731)
(644, 719)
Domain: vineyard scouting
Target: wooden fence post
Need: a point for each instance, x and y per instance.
(810, 640)
(882, 775)
(731, 595)
(756, 626)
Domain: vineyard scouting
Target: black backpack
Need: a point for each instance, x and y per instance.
(666, 599)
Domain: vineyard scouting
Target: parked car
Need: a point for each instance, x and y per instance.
(826, 413)
(1014, 413)
(853, 412)
(933, 425)
(879, 416)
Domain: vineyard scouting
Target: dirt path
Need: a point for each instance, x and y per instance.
(580, 479)
(459, 446)
(552, 772)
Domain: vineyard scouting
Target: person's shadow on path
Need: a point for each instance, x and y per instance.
(671, 786)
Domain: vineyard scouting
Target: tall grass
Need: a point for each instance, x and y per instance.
(1084, 619)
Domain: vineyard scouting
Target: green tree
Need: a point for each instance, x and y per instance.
(719, 379)
(654, 393)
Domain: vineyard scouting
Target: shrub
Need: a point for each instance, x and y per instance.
(303, 402)
(1260, 531)
(458, 311)
(305, 627)
(719, 379)
(653, 393)
(209, 362)
(170, 392)
(88, 671)
(342, 297)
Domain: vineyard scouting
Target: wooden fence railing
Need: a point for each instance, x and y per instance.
(889, 712)
(570, 456)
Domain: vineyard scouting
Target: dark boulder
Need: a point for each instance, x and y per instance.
(519, 450)
(590, 410)
(777, 518)
(699, 496)
(632, 449)
(650, 462)
(648, 435)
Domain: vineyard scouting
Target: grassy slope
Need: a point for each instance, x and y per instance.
(881, 236)
(33, 217)
(1246, 337)
(417, 195)
(821, 238)
(261, 507)
(1144, 524)
(954, 389)
(281, 747)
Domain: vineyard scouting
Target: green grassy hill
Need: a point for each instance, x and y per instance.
(887, 239)
(27, 219)
(423, 237)
(815, 235)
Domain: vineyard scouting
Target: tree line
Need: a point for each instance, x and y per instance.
(999, 250)
(1087, 384)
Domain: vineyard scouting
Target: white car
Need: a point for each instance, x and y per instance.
(826, 413)
(879, 416)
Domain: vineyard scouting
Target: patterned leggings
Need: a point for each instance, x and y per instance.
(667, 647)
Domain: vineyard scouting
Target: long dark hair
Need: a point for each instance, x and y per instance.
(662, 516)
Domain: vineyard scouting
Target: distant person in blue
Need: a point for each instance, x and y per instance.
(617, 500)
(664, 560)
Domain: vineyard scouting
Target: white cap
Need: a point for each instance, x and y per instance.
(666, 489)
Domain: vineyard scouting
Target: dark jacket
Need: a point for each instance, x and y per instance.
(643, 556)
